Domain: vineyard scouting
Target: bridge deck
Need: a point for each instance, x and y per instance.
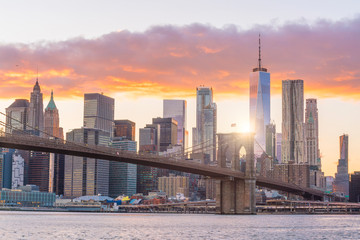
(34, 143)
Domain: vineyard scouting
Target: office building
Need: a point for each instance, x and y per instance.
(176, 109)
(312, 133)
(36, 110)
(278, 147)
(123, 178)
(17, 116)
(293, 142)
(259, 101)
(341, 182)
(354, 188)
(168, 132)
(38, 170)
(124, 129)
(99, 112)
(86, 176)
(149, 142)
(56, 164)
(298, 174)
(174, 184)
(271, 142)
(204, 136)
(18, 167)
(51, 117)
(26, 196)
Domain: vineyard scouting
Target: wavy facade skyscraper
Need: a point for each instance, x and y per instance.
(293, 141)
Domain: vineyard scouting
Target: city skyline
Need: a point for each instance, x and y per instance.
(209, 53)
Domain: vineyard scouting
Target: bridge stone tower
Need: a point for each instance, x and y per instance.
(236, 196)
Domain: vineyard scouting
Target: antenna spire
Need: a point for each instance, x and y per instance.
(259, 53)
(37, 73)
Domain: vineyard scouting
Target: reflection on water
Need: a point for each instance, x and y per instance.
(42, 225)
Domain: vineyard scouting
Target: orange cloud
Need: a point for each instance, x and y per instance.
(171, 61)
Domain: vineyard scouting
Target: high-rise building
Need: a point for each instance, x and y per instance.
(259, 101)
(7, 167)
(354, 188)
(38, 170)
(341, 182)
(1, 167)
(56, 184)
(86, 176)
(174, 184)
(149, 141)
(271, 142)
(168, 132)
(17, 116)
(204, 136)
(51, 117)
(278, 147)
(312, 133)
(293, 142)
(176, 109)
(122, 178)
(56, 164)
(124, 129)
(99, 112)
(36, 110)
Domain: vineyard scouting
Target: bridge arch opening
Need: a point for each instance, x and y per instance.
(242, 159)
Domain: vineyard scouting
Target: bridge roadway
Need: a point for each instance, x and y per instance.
(35, 143)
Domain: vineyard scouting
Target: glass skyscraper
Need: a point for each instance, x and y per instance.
(176, 109)
(86, 176)
(123, 175)
(149, 141)
(89, 176)
(99, 112)
(204, 136)
(259, 101)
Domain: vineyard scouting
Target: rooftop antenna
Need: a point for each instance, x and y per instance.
(259, 53)
(37, 73)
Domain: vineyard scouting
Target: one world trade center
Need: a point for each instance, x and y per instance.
(259, 101)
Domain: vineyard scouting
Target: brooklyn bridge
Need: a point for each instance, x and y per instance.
(235, 188)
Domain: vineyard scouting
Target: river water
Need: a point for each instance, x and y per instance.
(62, 225)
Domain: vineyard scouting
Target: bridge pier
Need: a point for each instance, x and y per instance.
(235, 196)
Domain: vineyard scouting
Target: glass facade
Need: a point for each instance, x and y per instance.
(176, 109)
(26, 199)
(86, 176)
(149, 141)
(123, 176)
(125, 129)
(168, 132)
(18, 115)
(259, 103)
(204, 136)
(99, 112)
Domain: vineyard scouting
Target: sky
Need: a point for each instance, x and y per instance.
(141, 52)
